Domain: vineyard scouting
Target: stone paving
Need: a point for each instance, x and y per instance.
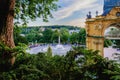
(111, 53)
(108, 52)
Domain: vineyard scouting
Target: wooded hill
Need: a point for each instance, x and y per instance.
(36, 28)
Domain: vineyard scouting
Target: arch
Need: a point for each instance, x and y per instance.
(115, 24)
(95, 29)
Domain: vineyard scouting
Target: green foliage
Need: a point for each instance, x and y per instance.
(17, 36)
(49, 52)
(31, 36)
(82, 36)
(25, 30)
(74, 38)
(77, 64)
(78, 37)
(32, 9)
(6, 54)
(55, 36)
(47, 35)
(107, 43)
(64, 35)
(117, 43)
(51, 36)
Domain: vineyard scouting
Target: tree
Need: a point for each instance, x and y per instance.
(21, 10)
(6, 21)
(117, 43)
(64, 35)
(74, 37)
(31, 36)
(18, 38)
(107, 43)
(49, 52)
(55, 36)
(47, 35)
(82, 36)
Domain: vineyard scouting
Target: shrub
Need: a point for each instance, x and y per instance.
(78, 64)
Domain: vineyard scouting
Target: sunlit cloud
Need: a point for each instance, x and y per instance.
(77, 22)
(76, 6)
(72, 12)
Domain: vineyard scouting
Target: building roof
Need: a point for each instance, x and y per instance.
(109, 4)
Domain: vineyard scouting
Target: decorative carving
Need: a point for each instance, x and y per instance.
(100, 26)
(96, 28)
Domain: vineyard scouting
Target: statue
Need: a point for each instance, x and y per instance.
(89, 16)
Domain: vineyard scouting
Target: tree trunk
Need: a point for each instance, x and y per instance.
(6, 22)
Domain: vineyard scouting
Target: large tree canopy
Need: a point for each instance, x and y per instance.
(22, 11)
(32, 9)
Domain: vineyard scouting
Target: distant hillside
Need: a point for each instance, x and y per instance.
(57, 27)
(36, 28)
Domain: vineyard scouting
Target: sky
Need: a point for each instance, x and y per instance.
(72, 12)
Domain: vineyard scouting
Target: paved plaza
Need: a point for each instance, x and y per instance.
(108, 52)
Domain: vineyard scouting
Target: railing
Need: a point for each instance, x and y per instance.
(112, 36)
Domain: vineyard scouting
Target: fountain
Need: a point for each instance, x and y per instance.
(59, 45)
(59, 49)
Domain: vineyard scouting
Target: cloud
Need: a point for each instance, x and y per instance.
(39, 22)
(77, 22)
(80, 22)
(77, 5)
(66, 15)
